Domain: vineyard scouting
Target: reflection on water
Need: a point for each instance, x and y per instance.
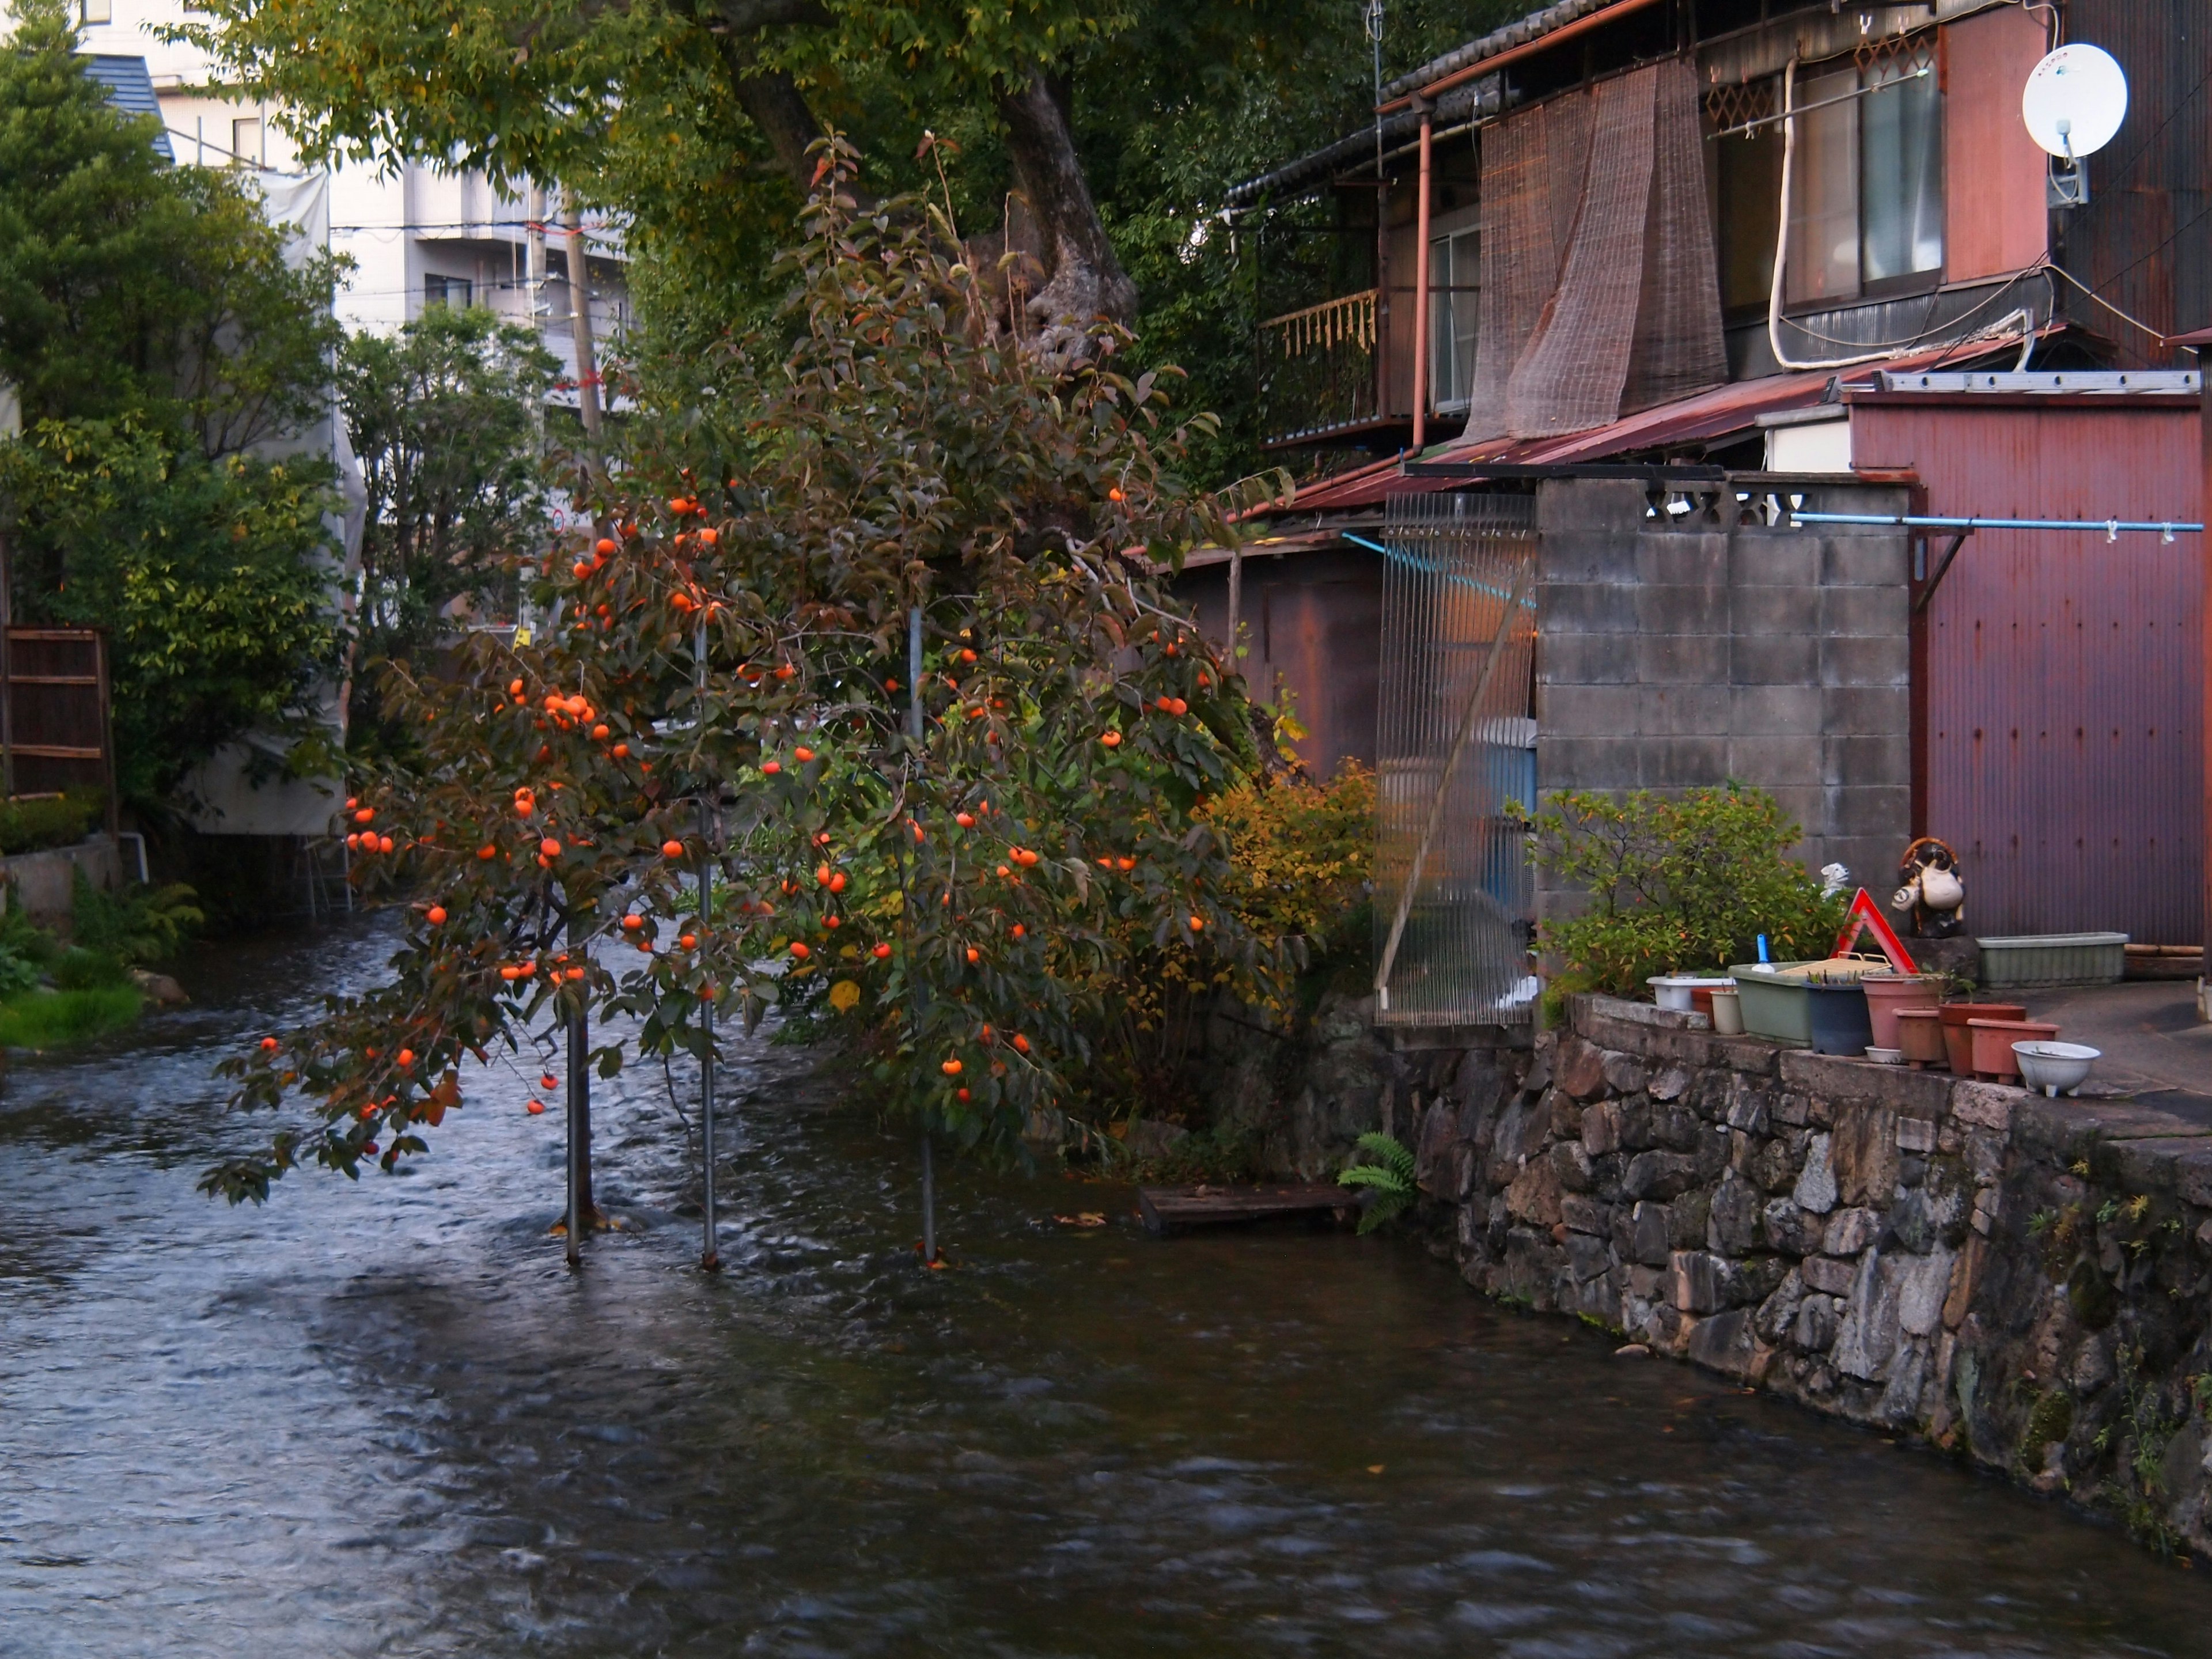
(384, 1419)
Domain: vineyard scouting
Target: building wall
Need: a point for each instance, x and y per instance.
(2064, 755)
(1311, 626)
(399, 228)
(1676, 655)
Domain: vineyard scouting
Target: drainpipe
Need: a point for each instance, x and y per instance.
(1421, 292)
(2204, 557)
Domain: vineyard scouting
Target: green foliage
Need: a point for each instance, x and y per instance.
(18, 973)
(77, 968)
(897, 454)
(204, 573)
(132, 288)
(140, 924)
(644, 108)
(35, 823)
(1677, 883)
(1389, 1178)
(59, 1019)
(155, 333)
(442, 416)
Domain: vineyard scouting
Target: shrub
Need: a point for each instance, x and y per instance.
(1388, 1177)
(79, 970)
(1298, 860)
(1677, 883)
(139, 925)
(34, 825)
(1302, 856)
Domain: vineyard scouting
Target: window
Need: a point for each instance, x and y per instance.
(1747, 189)
(1866, 194)
(455, 291)
(245, 141)
(1454, 308)
(91, 12)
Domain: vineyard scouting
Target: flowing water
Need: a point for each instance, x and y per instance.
(384, 1418)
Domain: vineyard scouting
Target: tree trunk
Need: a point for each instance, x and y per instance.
(772, 102)
(1084, 279)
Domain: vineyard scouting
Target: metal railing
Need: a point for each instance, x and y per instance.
(1318, 368)
(1455, 897)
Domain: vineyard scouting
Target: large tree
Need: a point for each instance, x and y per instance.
(160, 342)
(1099, 139)
(444, 417)
(964, 864)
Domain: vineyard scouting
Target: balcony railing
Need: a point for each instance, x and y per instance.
(1317, 370)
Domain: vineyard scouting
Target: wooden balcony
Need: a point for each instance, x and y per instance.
(1319, 371)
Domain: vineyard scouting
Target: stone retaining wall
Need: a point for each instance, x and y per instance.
(2022, 1282)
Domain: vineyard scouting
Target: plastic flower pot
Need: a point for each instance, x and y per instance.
(1920, 1036)
(1727, 1014)
(1889, 994)
(1994, 1060)
(1958, 1041)
(1684, 992)
(1837, 1018)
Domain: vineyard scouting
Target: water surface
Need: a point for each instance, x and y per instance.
(384, 1418)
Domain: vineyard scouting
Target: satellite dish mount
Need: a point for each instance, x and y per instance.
(2073, 102)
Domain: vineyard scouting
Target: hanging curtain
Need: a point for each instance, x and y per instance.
(1601, 290)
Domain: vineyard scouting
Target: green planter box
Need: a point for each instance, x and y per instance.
(2053, 959)
(1773, 1007)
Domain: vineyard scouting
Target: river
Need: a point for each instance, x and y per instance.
(385, 1418)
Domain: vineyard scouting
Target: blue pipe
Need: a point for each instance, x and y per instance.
(2112, 527)
(1428, 567)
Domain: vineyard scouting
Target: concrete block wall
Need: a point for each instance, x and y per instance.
(1676, 654)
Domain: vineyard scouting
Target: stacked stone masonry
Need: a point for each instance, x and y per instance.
(2020, 1280)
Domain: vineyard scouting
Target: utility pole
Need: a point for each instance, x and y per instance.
(579, 331)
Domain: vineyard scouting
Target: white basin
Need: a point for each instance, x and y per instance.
(2051, 1066)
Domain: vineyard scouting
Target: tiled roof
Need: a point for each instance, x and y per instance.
(1533, 26)
(130, 87)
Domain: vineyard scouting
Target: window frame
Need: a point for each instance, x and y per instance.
(1726, 212)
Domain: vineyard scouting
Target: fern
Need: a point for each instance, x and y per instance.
(1389, 1178)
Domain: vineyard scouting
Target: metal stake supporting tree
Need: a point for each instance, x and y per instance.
(710, 1256)
(913, 731)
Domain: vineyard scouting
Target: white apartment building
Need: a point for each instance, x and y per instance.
(417, 236)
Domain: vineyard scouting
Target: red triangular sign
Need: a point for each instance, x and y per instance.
(1865, 914)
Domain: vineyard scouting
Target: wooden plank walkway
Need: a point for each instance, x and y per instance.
(1172, 1209)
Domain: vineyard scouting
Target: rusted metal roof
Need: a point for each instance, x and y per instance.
(1722, 410)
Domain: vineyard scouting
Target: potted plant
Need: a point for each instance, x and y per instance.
(1888, 994)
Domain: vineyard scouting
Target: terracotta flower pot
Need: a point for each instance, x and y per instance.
(1994, 1060)
(1886, 994)
(1920, 1034)
(1958, 1041)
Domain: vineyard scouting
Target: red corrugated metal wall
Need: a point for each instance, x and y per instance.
(2064, 727)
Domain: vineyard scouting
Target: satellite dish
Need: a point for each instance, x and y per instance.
(2074, 100)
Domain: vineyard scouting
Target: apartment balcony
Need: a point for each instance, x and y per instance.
(1321, 373)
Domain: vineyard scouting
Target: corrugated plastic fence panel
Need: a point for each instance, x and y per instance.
(2065, 758)
(1455, 754)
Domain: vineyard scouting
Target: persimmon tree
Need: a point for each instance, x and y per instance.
(726, 711)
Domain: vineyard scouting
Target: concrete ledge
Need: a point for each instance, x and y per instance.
(41, 882)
